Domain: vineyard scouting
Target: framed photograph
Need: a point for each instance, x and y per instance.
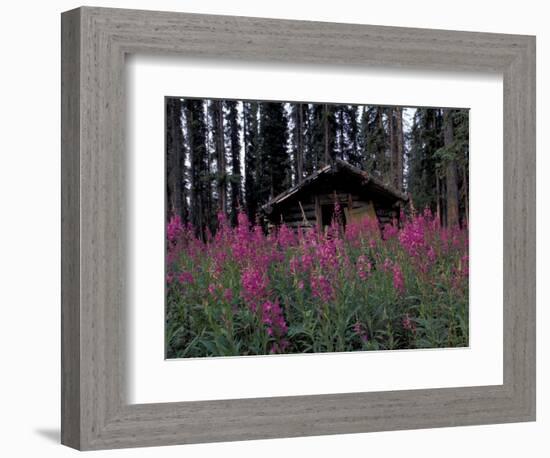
(284, 228)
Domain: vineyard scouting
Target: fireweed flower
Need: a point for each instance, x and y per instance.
(275, 325)
(174, 229)
(407, 323)
(389, 232)
(411, 236)
(431, 255)
(228, 295)
(321, 288)
(363, 267)
(398, 280)
(254, 287)
(169, 278)
(261, 268)
(285, 236)
(185, 277)
(307, 261)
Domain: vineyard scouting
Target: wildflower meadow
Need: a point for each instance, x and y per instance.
(247, 291)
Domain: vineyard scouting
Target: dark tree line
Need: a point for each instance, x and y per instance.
(227, 155)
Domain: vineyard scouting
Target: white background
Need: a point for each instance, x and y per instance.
(29, 233)
(152, 379)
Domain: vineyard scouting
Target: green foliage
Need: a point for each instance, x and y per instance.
(274, 163)
(403, 292)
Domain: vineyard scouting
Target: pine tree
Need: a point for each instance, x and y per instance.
(451, 180)
(198, 158)
(396, 142)
(400, 149)
(329, 133)
(461, 145)
(274, 160)
(315, 144)
(251, 151)
(176, 195)
(353, 155)
(374, 139)
(424, 175)
(233, 137)
(218, 137)
(298, 113)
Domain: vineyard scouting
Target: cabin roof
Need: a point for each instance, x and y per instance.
(338, 165)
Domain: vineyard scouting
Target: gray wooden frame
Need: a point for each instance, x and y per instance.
(95, 413)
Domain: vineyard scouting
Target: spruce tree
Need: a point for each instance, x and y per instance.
(176, 191)
(199, 173)
(234, 143)
(251, 163)
(299, 114)
(218, 137)
(274, 158)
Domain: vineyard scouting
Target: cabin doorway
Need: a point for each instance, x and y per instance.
(327, 215)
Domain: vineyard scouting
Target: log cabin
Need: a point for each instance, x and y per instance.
(311, 203)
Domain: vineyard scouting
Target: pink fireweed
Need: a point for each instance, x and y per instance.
(390, 231)
(272, 317)
(398, 279)
(321, 287)
(411, 236)
(228, 294)
(185, 277)
(362, 231)
(407, 323)
(254, 287)
(286, 237)
(386, 267)
(294, 265)
(174, 228)
(364, 267)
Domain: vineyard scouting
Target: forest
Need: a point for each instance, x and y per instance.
(228, 155)
(384, 267)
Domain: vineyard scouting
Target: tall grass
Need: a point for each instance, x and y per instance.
(243, 292)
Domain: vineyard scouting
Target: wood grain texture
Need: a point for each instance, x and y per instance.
(95, 411)
(70, 229)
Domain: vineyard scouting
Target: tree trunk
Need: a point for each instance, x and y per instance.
(341, 139)
(326, 134)
(400, 150)
(450, 173)
(392, 145)
(300, 145)
(220, 153)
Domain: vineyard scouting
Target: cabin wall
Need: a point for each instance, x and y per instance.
(306, 213)
(306, 208)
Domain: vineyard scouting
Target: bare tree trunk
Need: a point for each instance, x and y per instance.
(341, 142)
(381, 160)
(450, 173)
(327, 153)
(392, 145)
(222, 194)
(400, 150)
(299, 132)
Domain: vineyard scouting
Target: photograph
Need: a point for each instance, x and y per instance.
(314, 227)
